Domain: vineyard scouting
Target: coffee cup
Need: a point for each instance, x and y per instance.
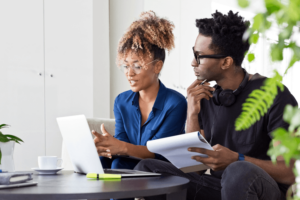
(49, 162)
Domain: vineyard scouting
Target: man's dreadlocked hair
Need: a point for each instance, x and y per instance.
(148, 36)
(226, 32)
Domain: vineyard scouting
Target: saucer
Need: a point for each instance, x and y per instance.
(47, 171)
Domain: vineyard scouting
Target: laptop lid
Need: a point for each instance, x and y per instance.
(82, 150)
(80, 144)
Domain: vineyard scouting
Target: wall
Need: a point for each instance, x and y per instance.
(121, 15)
(101, 61)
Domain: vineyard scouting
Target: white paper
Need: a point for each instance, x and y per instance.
(175, 148)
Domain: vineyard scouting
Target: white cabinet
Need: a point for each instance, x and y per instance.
(22, 77)
(51, 65)
(68, 64)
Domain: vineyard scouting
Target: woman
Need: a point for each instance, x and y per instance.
(149, 110)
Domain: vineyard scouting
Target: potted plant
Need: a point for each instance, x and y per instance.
(7, 143)
(285, 15)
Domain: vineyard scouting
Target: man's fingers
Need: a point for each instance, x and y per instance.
(208, 93)
(201, 96)
(196, 82)
(210, 153)
(210, 162)
(202, 159)
(200, 87)
(217, 147)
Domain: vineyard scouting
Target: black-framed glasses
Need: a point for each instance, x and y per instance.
(198, 57)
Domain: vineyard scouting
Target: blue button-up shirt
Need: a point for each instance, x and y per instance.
(167, 117)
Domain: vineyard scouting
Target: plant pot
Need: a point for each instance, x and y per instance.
(7, 161)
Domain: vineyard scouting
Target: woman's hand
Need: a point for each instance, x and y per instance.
(107, 145)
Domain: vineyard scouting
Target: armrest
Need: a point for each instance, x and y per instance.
(95, 123)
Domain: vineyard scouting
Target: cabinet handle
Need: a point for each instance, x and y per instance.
(40, 74)
(51, 75)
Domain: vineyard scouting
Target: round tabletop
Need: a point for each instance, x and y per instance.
(70, 185)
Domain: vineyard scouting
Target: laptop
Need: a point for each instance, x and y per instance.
(82, 150)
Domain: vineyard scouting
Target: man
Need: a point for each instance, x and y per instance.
(240, 166)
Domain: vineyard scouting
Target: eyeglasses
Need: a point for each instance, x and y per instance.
(136, 67)
(198, 57)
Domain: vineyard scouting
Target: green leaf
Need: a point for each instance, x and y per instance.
(293, 10)
(288, 146)
(286, 33)
(254, 38)
(243, 3)
(257, 21)
(296, 50)
(258, 102)
(14, 138)
(295, 122)
(289, 112)
(6, 138)
(298, 133)
(272, 6)
(276, 52)
(293, 60)
(251, 57)
(292, 116)
(4, 126)
(3, 138)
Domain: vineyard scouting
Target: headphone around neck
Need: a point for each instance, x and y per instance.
(227, 97)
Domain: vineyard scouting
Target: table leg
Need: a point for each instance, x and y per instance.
(179, 195)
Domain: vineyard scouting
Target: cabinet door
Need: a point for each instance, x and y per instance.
(22, 78)
(68, 65)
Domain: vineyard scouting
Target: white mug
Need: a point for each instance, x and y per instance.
(49, 162)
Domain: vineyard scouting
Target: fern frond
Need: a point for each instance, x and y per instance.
(258, 102)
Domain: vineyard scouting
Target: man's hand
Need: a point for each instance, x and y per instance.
(218, 159)
(106, 144)
(195, 93)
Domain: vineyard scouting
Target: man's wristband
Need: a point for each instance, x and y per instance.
(241, 157)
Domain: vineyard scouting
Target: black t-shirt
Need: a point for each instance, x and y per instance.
(218, 123)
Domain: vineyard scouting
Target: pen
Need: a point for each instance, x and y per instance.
(203, 82)
(200, 84)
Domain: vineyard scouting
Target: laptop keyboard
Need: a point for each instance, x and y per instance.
(111, 171)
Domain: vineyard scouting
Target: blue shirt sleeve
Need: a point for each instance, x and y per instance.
(120, 132)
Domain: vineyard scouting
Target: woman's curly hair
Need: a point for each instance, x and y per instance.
(227, 34)
(147, 36)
